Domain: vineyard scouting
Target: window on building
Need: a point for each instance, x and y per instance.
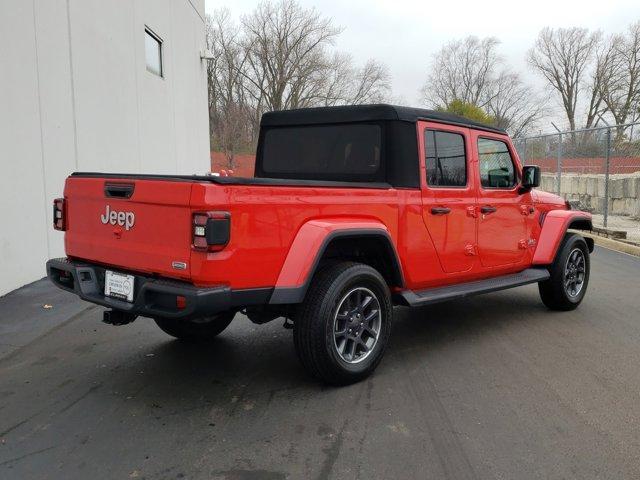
(153, 52)
(496, 165)
(446, 159)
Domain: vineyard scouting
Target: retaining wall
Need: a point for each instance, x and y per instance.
(589, 191)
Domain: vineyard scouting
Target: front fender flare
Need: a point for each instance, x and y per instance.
(555, 226)
(308, 247)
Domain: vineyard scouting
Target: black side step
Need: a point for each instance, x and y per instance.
(451, 292)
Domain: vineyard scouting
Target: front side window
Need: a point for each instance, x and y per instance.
(445, 158)
(496, 165)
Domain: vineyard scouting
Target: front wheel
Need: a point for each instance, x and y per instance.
(343, 326)
(200, 329)
(567, 286)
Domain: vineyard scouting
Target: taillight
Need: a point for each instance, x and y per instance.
(59, 214)
(211, 231)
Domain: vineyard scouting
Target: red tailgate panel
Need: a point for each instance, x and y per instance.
(159, 237)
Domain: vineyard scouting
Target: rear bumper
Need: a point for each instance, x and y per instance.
(153, 297)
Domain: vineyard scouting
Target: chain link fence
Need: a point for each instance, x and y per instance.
(596, 169)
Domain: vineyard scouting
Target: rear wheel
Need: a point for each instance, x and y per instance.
(200, 329)
(569, 279)
(343, 327)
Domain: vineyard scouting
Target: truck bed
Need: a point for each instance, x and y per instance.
(265, 214)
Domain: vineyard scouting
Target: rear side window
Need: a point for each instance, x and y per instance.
(349, 152)
(445, 158)
(496, 164)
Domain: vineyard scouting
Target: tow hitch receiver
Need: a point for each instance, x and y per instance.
(117, 317)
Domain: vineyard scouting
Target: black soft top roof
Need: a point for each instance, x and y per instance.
(366, 113)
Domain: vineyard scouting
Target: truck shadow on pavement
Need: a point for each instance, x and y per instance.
(262, 358)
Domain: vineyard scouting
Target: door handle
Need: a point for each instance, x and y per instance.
(486, 209)
(440, 210)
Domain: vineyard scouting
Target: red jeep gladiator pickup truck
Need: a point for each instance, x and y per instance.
(353, 210)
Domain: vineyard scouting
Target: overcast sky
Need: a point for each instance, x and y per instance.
(405, 33)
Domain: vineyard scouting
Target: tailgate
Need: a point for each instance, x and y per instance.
(140, 225)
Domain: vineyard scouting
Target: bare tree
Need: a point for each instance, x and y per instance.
(229, 112)
(472, 72)
(514, 105)
(462, 70)
(344, 83)
(213, 66)
(337, 82)
(232, 133)
(285, 47)
(620, 70)
(563, 57)
(279, 57)
(371, 84)
(594, 89)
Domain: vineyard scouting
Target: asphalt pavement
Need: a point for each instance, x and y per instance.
(492, 387)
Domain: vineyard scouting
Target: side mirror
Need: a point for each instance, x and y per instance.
(530, 177)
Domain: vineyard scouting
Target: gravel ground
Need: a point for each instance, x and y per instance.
(627, 224)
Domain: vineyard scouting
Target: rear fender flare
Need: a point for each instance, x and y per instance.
(555, 226)
(310, 244)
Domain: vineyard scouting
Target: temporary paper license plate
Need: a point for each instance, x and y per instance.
(118, 285)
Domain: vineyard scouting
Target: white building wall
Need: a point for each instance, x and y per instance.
(75, 95)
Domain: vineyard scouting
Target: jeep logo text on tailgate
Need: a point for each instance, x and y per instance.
(124, 219)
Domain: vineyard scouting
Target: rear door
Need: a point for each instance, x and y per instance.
(502, 209)
(448, 194)
(135, 224)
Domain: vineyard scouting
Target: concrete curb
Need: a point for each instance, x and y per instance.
(612, 244)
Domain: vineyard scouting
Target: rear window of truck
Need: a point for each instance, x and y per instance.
(350, 152)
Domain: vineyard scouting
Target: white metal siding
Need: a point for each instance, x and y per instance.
(75, 95)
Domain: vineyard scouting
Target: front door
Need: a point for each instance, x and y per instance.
(501, 207)
(448, 194)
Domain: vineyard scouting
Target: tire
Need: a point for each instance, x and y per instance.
(569, 279)
(346, 346)
(201, 329)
